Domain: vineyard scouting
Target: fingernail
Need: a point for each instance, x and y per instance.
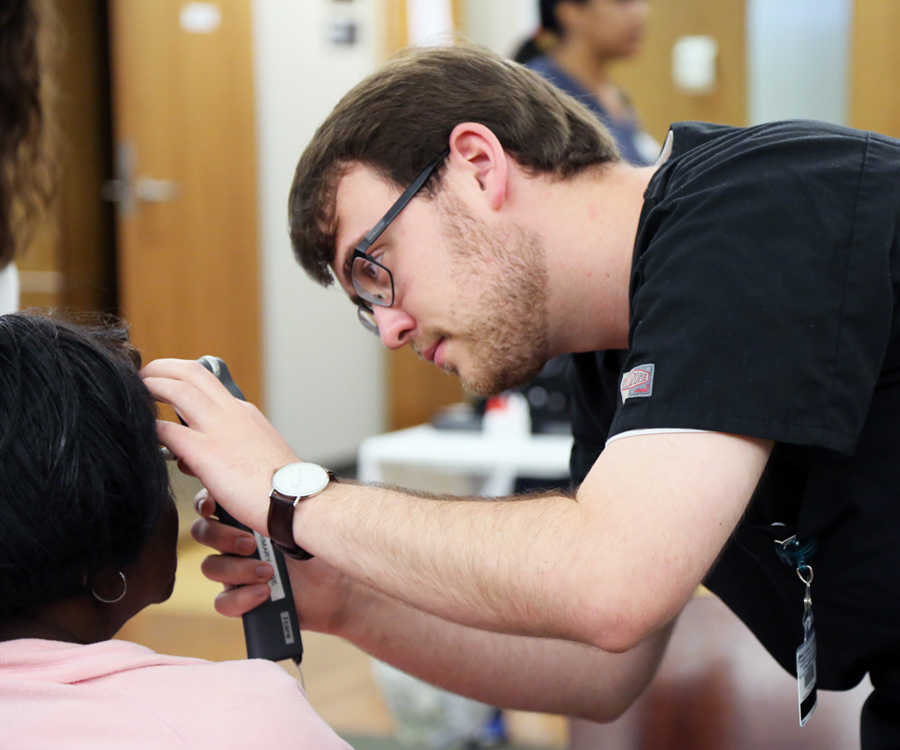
(264, 571)
(262, 591)
(199, 499)
(245, 546)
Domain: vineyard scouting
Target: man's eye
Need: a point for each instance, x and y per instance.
(369, 270)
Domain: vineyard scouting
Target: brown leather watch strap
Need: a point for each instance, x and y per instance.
(281, 526)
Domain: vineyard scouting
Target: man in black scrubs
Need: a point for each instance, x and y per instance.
(736, 385)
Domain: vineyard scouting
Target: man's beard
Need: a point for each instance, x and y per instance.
(506, 328)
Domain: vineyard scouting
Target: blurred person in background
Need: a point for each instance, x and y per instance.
(574, 49)
(27, 175)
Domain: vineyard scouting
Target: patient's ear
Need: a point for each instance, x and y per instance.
(481, 162)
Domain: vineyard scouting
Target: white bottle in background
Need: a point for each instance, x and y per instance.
(507, 416)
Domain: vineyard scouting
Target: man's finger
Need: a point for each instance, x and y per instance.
(223, 538)
(190, 403)
(178, 439)
(204, 505)
(241, 600)
(190, 373)
(184, 468)
(236, 571)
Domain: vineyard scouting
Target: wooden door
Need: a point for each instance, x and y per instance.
(648, 78)
(70, 261)
(875, 67)
(183, 111)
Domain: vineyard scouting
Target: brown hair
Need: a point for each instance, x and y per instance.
(400, 118)
(27, 174)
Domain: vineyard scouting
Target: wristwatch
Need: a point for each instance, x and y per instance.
(290, 485)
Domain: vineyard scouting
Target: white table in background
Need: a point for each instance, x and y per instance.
(496, 460)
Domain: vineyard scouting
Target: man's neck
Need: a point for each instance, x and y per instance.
(588, 225)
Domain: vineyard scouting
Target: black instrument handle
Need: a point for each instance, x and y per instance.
(271, 630)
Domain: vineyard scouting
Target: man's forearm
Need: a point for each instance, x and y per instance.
(514, 672)
(488, 564)
(606, 569)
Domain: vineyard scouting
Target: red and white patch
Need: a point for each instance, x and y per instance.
(637, 383)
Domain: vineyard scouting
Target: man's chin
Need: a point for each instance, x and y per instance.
(491, 384)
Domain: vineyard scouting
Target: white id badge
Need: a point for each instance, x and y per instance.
(795, 552)
(806, 677)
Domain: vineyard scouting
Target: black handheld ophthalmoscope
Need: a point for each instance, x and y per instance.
(272, 630)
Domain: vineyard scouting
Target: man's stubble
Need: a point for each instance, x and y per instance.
(505, 327)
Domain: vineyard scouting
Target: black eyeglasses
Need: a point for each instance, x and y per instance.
(371, 280)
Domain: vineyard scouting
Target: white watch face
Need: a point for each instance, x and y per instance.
(300, 480)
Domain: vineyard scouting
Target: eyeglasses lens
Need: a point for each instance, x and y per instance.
(367, 318)
(372, 281)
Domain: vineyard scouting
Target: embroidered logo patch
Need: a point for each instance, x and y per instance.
(637, 383)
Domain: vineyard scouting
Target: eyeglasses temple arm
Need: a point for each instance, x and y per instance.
(400, 203)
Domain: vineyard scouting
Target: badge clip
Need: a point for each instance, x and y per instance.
(794, 553)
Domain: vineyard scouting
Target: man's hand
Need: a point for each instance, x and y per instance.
(321, 594)
(227, 443)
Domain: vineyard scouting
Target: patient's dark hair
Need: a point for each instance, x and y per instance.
(82, 479)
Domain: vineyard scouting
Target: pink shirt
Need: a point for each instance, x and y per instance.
(117, 694)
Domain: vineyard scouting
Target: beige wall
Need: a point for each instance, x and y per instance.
(500, 24)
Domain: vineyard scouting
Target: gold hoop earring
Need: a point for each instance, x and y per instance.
(118, 598)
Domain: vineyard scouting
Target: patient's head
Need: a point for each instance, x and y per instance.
(85, 504)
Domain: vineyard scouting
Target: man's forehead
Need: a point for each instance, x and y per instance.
(362, 197)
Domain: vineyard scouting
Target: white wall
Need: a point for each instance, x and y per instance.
(798, 54)
(429, 21)
(324, 375)
(501, 25)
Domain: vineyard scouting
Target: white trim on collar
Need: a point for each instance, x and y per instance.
(666, 150)
(654, 431)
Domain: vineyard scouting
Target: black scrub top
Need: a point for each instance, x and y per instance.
(763, 301)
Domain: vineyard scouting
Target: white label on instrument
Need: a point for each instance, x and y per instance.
(200, 18)
(267, 554)
(286, 628)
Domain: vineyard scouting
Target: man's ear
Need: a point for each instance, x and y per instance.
(481, 160)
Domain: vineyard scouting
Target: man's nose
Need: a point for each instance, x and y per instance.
(394, 326)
